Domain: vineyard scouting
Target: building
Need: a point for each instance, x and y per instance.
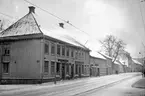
(109, 63)
(136, 66)
(28, 52)
(99, 66)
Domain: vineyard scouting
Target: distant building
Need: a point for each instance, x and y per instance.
(136, 66)
(99, 64)
(29, 52)
(109, 63)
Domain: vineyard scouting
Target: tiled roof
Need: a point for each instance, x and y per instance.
(28, 25)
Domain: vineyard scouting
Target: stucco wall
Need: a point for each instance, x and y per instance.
(25, 59)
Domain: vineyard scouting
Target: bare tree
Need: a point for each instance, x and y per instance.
(2, 25)
(113, 46)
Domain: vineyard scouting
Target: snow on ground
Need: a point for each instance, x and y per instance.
(86, 83)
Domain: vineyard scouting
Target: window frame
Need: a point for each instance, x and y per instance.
(52, 73)
(8, 69)
(53, 45)
(59, 49)
(47, 67)
(63, 51)
(47, 48)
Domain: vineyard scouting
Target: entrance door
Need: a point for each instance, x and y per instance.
(72, 70)
(63, 70)
(79, 71)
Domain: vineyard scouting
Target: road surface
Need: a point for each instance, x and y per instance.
(83, 87)
(123, 88)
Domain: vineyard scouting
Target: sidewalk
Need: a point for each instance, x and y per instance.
(140, 83)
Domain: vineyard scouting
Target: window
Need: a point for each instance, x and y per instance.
(76, 68)
(52, 68)
(67, 69)
(76, 54)
(82, 55)
(5, 67)
(72, 53)
(79, 54)
(58, 68)
(82, 69)
(52, 48)
(46, 66)
(46, 48)
(63, 51)
(58, 49)
(67, 52)
(6, 51)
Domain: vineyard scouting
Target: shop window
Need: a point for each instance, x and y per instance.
(58, 68)
(76, 68)
(46, 66)
(67, 69)
(52, 68)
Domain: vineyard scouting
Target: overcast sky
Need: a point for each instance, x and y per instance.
(98, 18)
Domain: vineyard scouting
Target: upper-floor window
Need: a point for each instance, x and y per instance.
(67, 52)
(52, 48)
(46, 48)
(58, 49)
(6, 51)
(76, 54)
(82, 55)
(72, 53)
(63, 51)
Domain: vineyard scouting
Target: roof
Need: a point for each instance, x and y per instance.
(28, 25)
(97, 55)
(106, 56)
(116, 62)
(136, 62)
(24, 26)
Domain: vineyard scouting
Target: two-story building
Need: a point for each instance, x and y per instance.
(29, 52)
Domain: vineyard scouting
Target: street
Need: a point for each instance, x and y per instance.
(84, 87)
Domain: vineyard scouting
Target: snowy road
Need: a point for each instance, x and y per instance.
(124, 88)
(82, 87)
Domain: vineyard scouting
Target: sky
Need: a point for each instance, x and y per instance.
(98, 18)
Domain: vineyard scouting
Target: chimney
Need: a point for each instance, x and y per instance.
(31, 9)
(61, 25)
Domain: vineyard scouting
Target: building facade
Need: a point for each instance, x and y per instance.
(28, 52)
(99, 66)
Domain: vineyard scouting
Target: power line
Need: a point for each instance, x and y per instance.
(6, 15)
(56, 17)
